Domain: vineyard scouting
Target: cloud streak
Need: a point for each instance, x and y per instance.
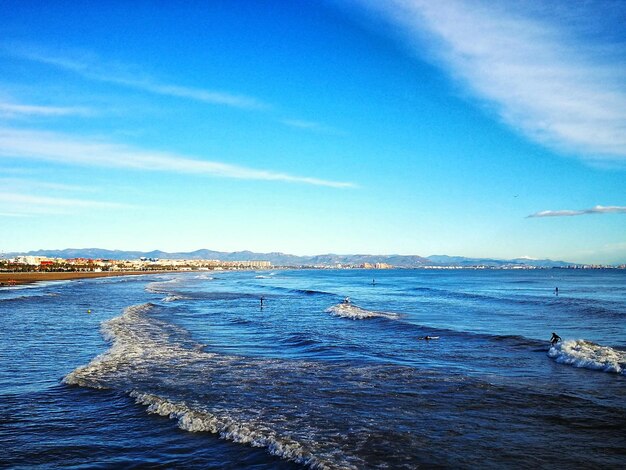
(13, 198)
(541, 77)
(570, 213)
(311, 126)
(61, 148)
(26, 205)
(12, 214)
(21, 183)
(117, 74)
(302, 124)
(90, 67)
(12, 109)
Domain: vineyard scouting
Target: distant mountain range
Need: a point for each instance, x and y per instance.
(282, 259)
(462, 261)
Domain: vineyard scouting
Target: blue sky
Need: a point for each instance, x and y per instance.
(482, 129)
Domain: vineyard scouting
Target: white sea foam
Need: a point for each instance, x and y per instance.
(349, 310)
(136, 340)
(160, 287)
(250, 433)
(17, 296)
(581, 353)
(161, 367)
(173, 298)
(35, 285)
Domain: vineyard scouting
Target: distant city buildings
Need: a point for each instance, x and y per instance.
(375, 266)
(29, 263)
(43, 263)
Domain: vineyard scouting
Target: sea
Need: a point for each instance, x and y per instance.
(417, 369)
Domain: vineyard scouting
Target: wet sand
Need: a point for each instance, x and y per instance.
(7, 279)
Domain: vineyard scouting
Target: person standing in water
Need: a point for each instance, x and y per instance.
(556, 291)
(262, 299)
(555, 338)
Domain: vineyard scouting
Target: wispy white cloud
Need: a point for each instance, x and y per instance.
(207, 96)
(311, 126)
(558, 85)
(13, 109)
(15, 171)
(13, 198)
(66, 149)
(593, 210)
(23, 205)
(12, 214)
(22, 183)
(88, 66)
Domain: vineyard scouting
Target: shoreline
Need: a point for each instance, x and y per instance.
(16, 279)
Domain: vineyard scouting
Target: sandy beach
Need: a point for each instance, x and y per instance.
(7, 279)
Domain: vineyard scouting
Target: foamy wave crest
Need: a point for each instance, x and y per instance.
(159, 365)
(161, 287)
(22, 298)
(136, 340)
(253, 434)
(173, 298)
(348, 310)
(34, 285)
(581, 353)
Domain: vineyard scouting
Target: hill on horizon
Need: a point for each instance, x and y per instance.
(284, 259)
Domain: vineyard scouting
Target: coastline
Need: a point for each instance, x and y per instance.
(15, 279)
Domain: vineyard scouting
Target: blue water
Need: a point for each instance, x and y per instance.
(187, 370)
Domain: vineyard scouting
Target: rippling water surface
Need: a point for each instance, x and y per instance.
(188, 370)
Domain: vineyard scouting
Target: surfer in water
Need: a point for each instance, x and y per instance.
(346, 300)
(556, 291)
(262, 299)
(555, 339)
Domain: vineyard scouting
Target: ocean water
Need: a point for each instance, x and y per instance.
(188, 371)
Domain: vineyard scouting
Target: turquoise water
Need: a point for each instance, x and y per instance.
(189, 370)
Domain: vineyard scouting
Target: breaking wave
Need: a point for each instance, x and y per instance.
(310, 292)
(173, 298)
(253, 434)
(159, 365)
(349, 310)
(581, 353)
(26, 298)
(161, 287)
(300, 291)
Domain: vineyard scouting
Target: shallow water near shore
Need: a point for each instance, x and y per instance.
(187, 370)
